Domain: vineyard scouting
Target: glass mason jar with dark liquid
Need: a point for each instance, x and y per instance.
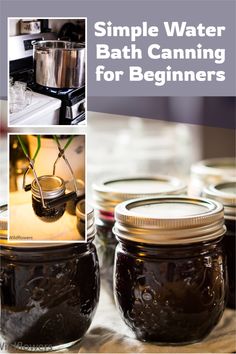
(52, 187)
(170, 271)
(225, 193)
(49, 293)
(109, 193)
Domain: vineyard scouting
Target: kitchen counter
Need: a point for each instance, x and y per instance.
(43, 110)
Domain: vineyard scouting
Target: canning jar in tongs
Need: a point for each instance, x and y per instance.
(49, 190)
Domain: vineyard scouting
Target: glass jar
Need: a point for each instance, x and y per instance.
(170, 272)
(109, 193)
(52, 187)
(212, 171)
(225, 193)
(49, 293)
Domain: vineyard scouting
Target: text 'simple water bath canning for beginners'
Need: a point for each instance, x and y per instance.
(225, 193)
(107, 194)
(170, 269)
(49, 293)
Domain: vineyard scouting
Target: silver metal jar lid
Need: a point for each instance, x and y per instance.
(109, 193)
(169, 220)
(81, 212)
(52, 187)
(216, 169)
(225, 193)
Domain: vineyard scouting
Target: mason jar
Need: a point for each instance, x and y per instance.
(52, 187)
(170, 272)
(107, 194)
(225, 193)
(212, 171)
(49, 293)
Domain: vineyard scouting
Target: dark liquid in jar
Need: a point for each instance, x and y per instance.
(171, 295)
(106, 246)
(47, 214)
(230, 245)
(49, 296)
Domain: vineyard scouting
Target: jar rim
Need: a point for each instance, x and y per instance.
(221, 167)
(52, 186)
(225, 193)
(135, 222)
(108, 192)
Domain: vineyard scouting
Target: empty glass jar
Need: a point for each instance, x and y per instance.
(107, 194)
(170, 271)
(225, 193)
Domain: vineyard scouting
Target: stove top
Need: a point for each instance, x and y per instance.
(63, 94)
(21, 69)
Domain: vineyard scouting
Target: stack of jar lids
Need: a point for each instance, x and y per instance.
(3, 221)
(225, 193)
(215, 170)
(81, 213)
(169, 220)
(109, 193)
(80, 186)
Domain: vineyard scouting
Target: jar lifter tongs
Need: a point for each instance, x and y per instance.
(60, 200)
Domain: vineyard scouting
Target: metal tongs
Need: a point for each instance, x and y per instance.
(60, 200)
(31, 167)
(72, 195)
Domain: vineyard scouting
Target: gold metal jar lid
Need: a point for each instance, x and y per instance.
(216, 169)
(52, 187)
(225, 193)
(108, 193)
(81, 212)
(169, 220)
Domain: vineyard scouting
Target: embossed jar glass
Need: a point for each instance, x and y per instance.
(49, 293)
(107, 194)
(225, 193)
(170, 272)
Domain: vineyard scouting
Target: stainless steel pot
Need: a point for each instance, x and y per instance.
(59, 64)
